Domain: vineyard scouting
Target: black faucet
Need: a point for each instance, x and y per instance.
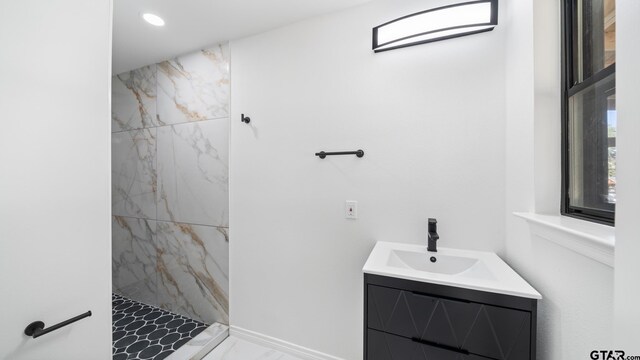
(432, 235)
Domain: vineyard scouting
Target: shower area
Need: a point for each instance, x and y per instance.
(170, 226)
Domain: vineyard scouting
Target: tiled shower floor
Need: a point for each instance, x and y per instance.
(142, 331)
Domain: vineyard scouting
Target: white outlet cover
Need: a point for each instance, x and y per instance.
(351, 209)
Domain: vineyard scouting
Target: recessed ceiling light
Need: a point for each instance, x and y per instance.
(153, 19)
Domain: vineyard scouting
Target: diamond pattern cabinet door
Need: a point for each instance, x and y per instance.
(449, 323)
(390, 311)
(501, 333)
(382, 346)
(413, 315)
(495, 332)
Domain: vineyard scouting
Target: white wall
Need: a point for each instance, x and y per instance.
(575, 315)
(55, 230)
(627, 288)
(431, 122)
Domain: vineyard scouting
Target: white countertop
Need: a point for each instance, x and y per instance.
(489, 273)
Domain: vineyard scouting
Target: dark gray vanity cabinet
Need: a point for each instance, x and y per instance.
(412, 320)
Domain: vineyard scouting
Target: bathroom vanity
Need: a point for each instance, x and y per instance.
(449, 305)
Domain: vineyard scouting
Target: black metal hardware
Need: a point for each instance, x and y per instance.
(245, 119)
(323, 154)
(36, 328)
(433, 259)
(450, 348)
(432, 235)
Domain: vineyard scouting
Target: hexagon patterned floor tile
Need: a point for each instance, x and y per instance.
(142, 331)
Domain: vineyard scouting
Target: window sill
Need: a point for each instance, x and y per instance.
(592, 240)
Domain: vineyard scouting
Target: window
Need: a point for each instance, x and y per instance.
(589, 110)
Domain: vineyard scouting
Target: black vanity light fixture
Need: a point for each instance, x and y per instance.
(436, 24)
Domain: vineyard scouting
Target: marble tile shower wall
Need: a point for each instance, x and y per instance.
(170, 180)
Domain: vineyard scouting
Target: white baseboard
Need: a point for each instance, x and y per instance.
(280, 345)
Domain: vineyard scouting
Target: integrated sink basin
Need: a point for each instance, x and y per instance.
(467, 269)
(442, 264)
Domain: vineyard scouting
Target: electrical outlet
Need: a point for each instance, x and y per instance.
(351, 209)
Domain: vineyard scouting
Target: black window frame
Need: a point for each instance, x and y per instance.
(570, 88)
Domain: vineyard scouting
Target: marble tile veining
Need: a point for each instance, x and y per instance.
(193, 266)
(193, 173)
(234, 348)
(194, 87)
(133, 172)
(134, 99)
(134, 258)
(170, 139)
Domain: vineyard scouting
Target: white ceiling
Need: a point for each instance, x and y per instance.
(194, 24)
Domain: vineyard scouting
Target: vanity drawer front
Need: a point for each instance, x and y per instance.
(383, 346)
(492, 331)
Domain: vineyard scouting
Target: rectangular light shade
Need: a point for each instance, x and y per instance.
(436, 24)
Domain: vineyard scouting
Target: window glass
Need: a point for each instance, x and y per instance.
(589, 128)
(594, 37)
(592, 146)
(612, 126)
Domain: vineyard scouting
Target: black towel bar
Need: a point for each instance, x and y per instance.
(36, 328)
(323, 154)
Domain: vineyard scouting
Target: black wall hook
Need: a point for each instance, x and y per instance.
(245, 119)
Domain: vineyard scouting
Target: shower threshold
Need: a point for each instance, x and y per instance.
(142, 331)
